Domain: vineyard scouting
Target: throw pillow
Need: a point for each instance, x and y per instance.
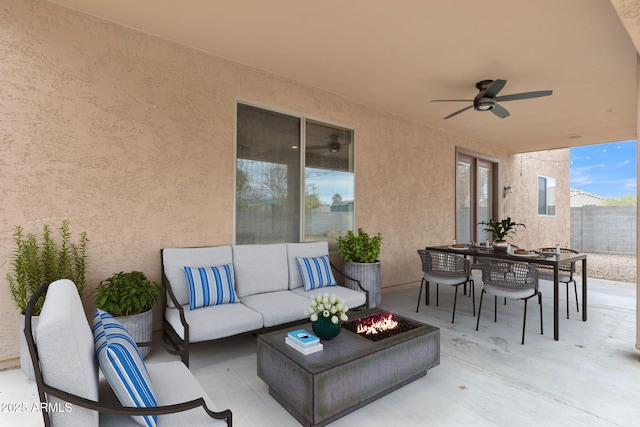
(122, 365)
(316, 272)
(210, 286)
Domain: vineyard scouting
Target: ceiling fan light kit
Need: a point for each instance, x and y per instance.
(486, 99)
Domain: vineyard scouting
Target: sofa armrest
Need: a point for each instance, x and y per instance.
(172, 342)
(358, 286)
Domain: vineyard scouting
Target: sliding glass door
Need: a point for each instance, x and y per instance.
(476, 196)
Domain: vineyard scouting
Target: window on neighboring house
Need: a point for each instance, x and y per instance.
(546, 195)
(294, 178)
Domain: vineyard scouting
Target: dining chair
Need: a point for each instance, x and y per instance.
(509, 279)
(565, 274)
(444, 268)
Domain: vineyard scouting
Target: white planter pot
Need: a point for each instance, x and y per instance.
(25, 357)
(140, 327)
(369, 276)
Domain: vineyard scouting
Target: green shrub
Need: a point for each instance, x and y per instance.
(359, 247)
(126, 294)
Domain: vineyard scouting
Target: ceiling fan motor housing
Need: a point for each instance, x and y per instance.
(480, 103)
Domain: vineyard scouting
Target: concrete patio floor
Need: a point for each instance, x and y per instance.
(485, 378)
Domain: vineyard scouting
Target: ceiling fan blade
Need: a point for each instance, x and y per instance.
(458, 112)
(452, 100)
(494, 88)
(524, 95)
(500, 111)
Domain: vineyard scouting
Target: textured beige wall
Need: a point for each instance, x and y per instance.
(131, 138)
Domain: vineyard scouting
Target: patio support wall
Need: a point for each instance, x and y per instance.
(629, 13)
(131, 138)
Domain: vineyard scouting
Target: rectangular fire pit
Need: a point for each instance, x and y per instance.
(350, 372)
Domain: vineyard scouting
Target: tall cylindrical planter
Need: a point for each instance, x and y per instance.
(25, 357)
(369, 276)
(140, 327)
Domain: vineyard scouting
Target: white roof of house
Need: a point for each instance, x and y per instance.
(581, 198)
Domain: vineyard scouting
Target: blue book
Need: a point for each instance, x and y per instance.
(303, 338)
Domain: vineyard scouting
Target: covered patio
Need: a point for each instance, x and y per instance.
(485, 378)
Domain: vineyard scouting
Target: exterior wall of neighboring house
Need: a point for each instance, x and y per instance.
(131, 138)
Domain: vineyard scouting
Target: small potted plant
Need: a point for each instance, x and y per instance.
(360, 254)
(501, 230)
(325, 312)
(130, 297)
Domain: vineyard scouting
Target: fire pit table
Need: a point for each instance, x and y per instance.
(350, 372)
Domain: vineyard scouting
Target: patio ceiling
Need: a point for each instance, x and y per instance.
(397, 56)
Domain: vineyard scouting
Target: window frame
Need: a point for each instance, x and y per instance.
(303, 123)
(546, 193)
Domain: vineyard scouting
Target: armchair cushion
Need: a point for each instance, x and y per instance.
(122, 365)
(316, 272)
(210, 286)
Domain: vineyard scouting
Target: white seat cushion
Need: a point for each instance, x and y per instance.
(444, 280)
(215, 321)
(278, 307)
(513, 293)
(350, 297)
(173, 383)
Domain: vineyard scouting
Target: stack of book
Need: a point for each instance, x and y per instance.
(303, 341)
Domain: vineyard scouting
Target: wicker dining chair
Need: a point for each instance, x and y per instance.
(565, 274)
(509, 279)
(446, 269)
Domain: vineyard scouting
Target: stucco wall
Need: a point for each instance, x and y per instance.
(131, 138)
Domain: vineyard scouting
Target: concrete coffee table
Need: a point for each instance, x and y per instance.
(350, 372)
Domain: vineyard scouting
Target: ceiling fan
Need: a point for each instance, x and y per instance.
(487, 99)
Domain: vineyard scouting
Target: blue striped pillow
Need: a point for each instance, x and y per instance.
(122, 366)
(210, 286)
(316, 272)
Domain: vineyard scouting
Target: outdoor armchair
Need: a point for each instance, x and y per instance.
(509, 279)
(70, 389)
(446, 269)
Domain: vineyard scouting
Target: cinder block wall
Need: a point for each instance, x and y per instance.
(604, 229)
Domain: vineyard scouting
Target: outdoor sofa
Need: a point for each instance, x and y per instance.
(248, 288)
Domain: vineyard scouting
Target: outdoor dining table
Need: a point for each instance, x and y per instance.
(554, 261)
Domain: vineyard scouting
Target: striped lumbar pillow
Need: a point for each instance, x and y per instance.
(122, 366)
(316, 272)
(210, 286)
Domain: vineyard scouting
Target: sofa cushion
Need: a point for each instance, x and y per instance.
(316, 272)
(210, 285)
(278, 307)
(121, 363)
(351, 298)
(215, 321)
(260, 268)
(173, 383)
(304, 250)
(67, 355)
(173, 259)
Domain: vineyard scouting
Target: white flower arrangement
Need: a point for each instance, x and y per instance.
(325, 305)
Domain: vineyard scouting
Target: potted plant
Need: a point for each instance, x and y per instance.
(130, 297)
(501, 230)
(35, 262)
(360, 254)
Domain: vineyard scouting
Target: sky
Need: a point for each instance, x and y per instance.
(607, 170)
